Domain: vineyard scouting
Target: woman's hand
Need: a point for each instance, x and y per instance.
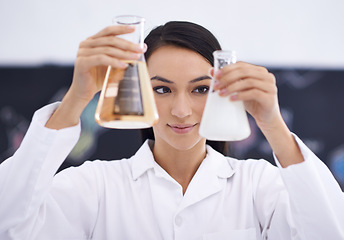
(95, 54)
(98, 52)
(255, 86)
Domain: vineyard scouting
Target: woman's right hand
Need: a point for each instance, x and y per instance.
(95, 54)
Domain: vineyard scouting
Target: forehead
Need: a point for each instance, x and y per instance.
(174, 63)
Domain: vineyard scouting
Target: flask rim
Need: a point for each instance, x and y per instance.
(224, 53)
(128, 20)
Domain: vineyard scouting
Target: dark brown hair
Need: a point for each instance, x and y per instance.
(186, 35)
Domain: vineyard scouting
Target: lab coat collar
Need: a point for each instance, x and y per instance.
(209, 179)
(143, 160)
(216, 164)
(219, 163)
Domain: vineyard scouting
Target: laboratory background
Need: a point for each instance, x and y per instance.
(300, 41)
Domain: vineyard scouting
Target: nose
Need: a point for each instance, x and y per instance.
(181, 106)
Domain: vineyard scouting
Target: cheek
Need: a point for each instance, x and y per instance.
(200, 104)
(162, 106)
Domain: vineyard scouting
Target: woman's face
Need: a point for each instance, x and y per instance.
(180, 80)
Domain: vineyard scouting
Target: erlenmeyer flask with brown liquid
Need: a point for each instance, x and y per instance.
(126, 100)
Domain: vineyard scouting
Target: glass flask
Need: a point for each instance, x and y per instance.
(126, 100)
(223, 119)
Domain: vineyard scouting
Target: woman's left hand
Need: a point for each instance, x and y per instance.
(257, 88)
(254, 85)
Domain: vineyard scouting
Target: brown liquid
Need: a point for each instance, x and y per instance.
(127, 100)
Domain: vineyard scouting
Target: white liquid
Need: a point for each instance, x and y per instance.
(224, 120)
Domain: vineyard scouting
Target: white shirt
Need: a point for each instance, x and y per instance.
(136, 199)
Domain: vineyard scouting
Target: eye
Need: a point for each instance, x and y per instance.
(161, 89)
(201, 89)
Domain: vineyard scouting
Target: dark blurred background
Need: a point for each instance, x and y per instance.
(311, 101)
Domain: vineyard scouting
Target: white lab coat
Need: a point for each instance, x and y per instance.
(136, 199)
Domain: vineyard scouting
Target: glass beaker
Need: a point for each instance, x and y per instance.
(223, 119)
(126, 100)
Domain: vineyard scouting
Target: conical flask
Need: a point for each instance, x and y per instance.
(126, 100)
(223, 119)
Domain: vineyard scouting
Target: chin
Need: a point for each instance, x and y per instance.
(180, 142)
(185, 145)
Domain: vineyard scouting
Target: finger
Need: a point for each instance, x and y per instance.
(109, 51)
(114, 30)
(87, 62)
(248, 84)
(251, 95)
(111, 41)
(243, 66)
(236, 74)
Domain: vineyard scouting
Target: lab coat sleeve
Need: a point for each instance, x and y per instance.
(316, 200)
(26, 177)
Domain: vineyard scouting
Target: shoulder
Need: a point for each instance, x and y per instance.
(246, 170)
(261, 175)
(254, 168)
(112, 169)
(95, 170)
(242, 166)
(251, 165)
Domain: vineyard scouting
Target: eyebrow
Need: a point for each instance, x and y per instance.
(204, 77)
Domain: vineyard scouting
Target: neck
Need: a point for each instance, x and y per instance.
(181, 165)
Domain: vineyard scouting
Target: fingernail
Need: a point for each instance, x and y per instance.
(140, 48)
(136, 55)
(130, 27)
(223, 91)
(234, 97)
(216, 84)
(123, 64)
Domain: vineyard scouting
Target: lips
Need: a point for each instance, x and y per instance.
(182, 128)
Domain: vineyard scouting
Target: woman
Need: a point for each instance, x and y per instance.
(175, 187)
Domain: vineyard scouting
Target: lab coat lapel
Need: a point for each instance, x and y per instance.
(209, 179)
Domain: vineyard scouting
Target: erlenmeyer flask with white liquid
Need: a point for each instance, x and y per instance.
(126, 100)
(223, 119)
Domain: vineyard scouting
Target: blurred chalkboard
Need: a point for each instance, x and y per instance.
(311, 100)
